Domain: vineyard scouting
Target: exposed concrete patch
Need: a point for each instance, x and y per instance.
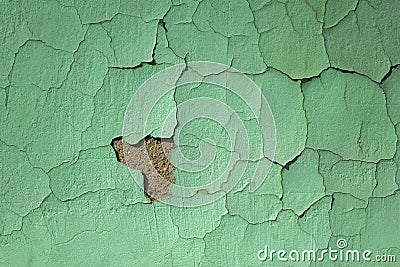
(116, 143)
(158, 151)
(151, 157)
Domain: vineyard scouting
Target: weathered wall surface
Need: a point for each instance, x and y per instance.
(329, 70)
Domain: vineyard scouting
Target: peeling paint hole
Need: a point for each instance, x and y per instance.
(151, 157)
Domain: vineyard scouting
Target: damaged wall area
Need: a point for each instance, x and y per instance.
(328, 69)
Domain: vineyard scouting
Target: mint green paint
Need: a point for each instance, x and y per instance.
(378, 233)
(286, 102)
(138, 220)
(208, 173)
(387, 16)
(362, 41)
(222, 247)
(227, 146)
(56, 25)
(69, 68)
(181, 11)
(291, 26)
(352, 177)
(207, 25)
(129, 50)
(386, 185)
(48, 69)
(247, 206)
(242, 35)
(241, 203)
(163, 53)
(186, 252)
(108, 115)
(205, 220)
(272, 184)
(196, 42)
(70, 181)
(335, 11)
(348, 116)
(275, 234)
(146, 10)
(19, 196)
(391, 88)
(348, 215)
(316, 221)
(15, 33)
(396, 157)
(94, 55)
(103, 10)
(318, 7)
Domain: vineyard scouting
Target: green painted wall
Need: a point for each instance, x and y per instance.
(328, 69)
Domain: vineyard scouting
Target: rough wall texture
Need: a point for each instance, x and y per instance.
(329, 69)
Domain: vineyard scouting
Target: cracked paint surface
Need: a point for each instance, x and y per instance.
(328, 69)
